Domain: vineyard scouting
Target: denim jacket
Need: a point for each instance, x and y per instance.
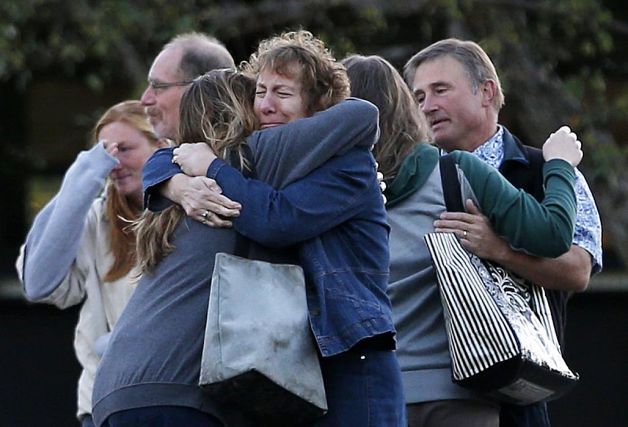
(336, 217)
(334, 214)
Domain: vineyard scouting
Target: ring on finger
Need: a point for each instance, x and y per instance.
(464, 233)
(205, 214)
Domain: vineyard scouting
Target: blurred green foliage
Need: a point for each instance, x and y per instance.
(560, 61)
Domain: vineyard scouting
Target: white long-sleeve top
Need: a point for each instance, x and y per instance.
(67, 254)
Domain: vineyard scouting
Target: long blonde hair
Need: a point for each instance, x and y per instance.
(119, 209)
(216, 109)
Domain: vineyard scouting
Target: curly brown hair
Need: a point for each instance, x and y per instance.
(301, 56)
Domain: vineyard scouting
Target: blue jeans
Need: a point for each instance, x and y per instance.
(87, 421)
(363, 389)
(535, 415)
(162, 416)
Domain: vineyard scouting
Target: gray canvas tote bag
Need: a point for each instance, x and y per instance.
(259, 352)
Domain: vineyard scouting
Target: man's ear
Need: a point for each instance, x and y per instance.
(489, 92)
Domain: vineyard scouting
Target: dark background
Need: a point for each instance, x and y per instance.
(39, 370)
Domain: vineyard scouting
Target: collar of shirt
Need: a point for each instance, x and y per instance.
(492, 151)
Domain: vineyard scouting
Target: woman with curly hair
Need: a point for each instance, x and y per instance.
(160, 334)
(333, 218)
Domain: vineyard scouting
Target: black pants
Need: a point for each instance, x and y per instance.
(162, 416)
(535, 415)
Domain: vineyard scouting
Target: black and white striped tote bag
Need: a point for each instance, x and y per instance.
(501, 335)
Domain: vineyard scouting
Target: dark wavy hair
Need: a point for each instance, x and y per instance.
(401, 124)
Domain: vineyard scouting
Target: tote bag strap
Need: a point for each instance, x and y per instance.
(450, 183)
(245, 164)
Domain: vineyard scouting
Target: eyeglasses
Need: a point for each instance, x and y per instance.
(155, 85)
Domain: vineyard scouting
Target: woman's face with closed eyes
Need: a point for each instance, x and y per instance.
(278, 99)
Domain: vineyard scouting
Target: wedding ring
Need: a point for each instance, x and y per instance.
(205, 214)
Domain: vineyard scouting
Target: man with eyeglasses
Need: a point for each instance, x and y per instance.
(181, 60)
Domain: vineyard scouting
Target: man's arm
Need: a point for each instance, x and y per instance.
(569, 272)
